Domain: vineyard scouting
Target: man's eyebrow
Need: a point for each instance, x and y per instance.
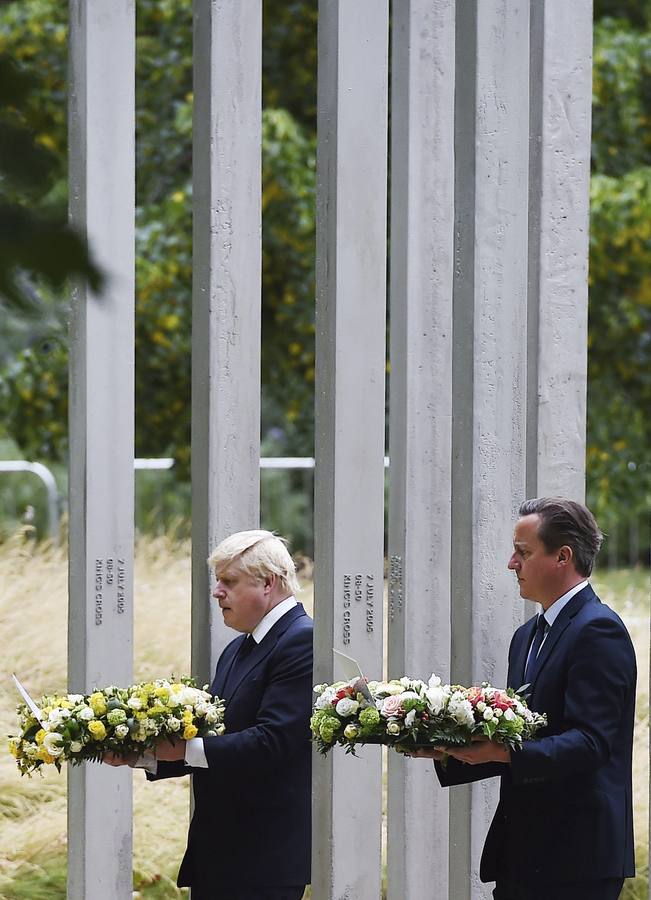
(520, 544)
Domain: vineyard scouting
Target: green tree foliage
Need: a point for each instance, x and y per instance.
(33, 392)
(619, 373)
(35, 239)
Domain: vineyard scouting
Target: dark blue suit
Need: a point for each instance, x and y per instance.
(565, 809)
(252, 819)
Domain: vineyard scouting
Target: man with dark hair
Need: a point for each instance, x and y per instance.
(563, 829)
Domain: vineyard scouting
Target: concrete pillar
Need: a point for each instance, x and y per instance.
(561, 93)
(226, 297)
(489, 371)
(420, 404)
(349, 490)
(102, 198)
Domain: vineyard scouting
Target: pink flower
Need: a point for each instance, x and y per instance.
(391, 706)
(501, 701)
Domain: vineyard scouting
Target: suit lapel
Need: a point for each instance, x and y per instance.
(562, 623)
(520, 655)
(260, 651)
(225, 665)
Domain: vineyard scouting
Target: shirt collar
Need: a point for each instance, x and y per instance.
(554, 610)
(265, 624)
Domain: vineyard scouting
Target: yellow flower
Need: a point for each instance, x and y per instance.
(156, 709)
(40, 734)
(97, 703)
(97, 730)
(13, 749)
(44, 756)
(189, 732)
(187, 717)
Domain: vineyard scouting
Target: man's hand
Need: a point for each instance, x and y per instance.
(111, 759)
(436, 753)
(170, 751)
(481, 751)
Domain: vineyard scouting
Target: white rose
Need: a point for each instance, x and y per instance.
(76, 747)
(173, 723)
(211, 716)
(409, 718)
(134, 703)
(75, 698)
(347, 707)
(351, 731)
(509, 715)
(498, 712)
(393, 728)
(434, 681)
(52, 743)
(121, 731)
(86, 714)
(481, 706)
(488, 714)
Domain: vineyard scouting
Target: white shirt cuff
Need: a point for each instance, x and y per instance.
(195, 755)
(148, 762)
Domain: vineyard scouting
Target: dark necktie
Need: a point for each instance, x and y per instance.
(541, 630)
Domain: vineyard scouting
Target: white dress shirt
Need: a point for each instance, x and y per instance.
(551, 614)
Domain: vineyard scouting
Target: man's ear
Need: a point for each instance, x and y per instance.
(270, 581)
(564, 555)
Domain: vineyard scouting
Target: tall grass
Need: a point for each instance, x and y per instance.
(33, 634)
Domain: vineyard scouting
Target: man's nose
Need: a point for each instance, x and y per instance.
(219, 591)
(513, 562)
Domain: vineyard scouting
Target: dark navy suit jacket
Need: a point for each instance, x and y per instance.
(565, 809)
(252, 819)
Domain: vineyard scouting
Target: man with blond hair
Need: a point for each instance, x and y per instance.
(249, 837)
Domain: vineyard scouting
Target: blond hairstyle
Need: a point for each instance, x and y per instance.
(258, 554)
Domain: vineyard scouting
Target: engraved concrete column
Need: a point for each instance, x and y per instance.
(226, 297)
(561, 93)
(102, 197)
(349, 492)
(489, 369)
(422, 259)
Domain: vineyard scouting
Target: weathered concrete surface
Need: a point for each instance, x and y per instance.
(420, 404)
(489, 371)
(102, 200)
(561, 93)
(226, 297)
(349, 489)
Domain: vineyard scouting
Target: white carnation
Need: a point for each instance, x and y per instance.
(461, 710)
(325, 699)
